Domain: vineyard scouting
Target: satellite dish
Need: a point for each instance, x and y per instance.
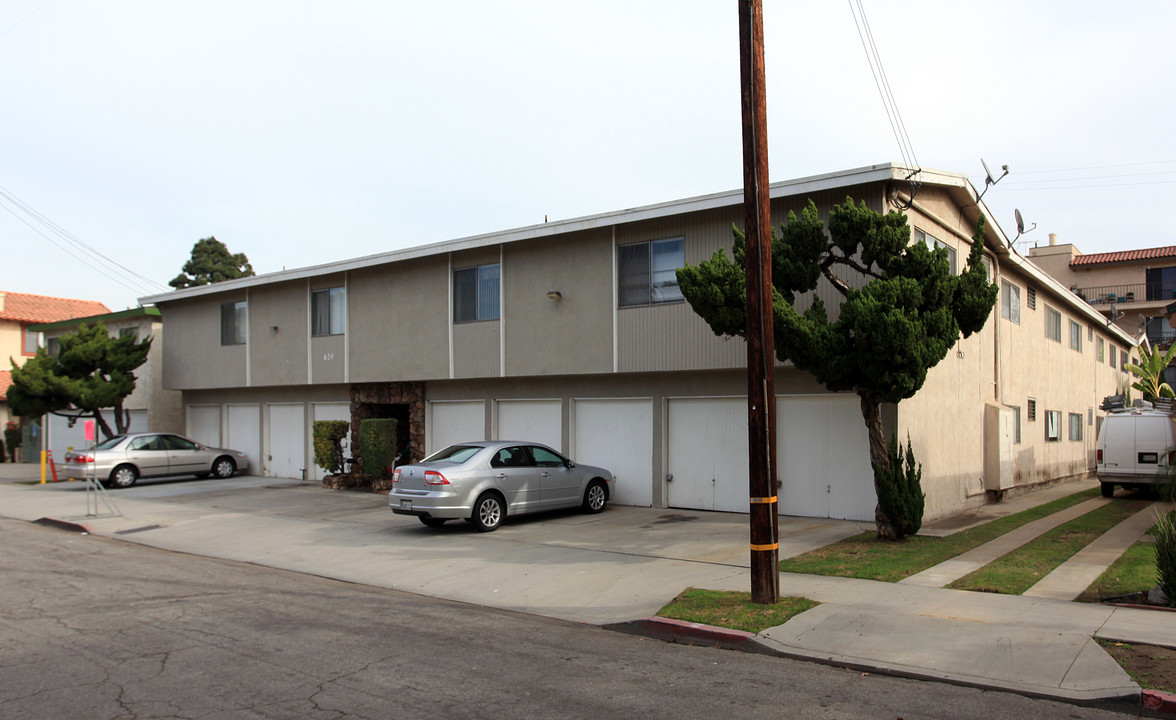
(1020, 222)
(989, 180)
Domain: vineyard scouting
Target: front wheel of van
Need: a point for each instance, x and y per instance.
(1108, 489)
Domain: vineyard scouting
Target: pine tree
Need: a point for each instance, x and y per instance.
(211, 262)
(888, 331)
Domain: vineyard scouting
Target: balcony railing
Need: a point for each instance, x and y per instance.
(1119, 294)
(1160, 337)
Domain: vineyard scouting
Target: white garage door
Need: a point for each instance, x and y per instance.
(707, 453)
(286, 441)
(824, 457)
(332, 411)
(536, 420)
(204, 424)
(243, 432)
(618, 435)
(455, 422)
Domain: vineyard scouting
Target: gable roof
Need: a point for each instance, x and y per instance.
(26, 308)
(1110, 258)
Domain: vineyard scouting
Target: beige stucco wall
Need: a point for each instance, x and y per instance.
(11, 343)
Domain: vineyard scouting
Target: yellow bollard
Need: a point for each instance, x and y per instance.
(43, 455)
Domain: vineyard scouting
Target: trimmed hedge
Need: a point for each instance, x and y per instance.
(377, 446)
(328, 444)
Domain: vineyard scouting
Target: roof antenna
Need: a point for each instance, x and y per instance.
(988, 179)
(1020, 226)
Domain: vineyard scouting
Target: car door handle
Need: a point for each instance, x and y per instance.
(544, 474)
(500, 475)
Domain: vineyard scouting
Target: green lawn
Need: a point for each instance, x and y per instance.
(863, 556)
(1019, 570)
(731, 609)
(1134, 572)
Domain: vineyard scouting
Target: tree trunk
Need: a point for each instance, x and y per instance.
(879, 458)
(122, 419)
(102, 425)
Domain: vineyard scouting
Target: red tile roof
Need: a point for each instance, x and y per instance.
(5, 383)
(1124, 256)
(33, 309)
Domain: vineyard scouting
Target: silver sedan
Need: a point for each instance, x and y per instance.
(120, 461)
(483, 482)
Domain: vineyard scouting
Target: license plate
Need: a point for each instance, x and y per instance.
(406, 504)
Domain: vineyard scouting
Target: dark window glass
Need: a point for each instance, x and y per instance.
(647, 272)
(476, 292)
(327, 312)
(233, 323)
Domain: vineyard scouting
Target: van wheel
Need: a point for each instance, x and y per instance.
(1108, 489)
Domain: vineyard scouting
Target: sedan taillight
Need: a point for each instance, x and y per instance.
(396, 475)
(432, 477)
(83, 458)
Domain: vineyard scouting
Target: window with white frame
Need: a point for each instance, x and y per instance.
(1102, 350)
(1016, 424)
(1075, 336)
(1010, 301)
(234, 318)
(1053, 425)
(647, 272)
(328, 311)
(31, 341)
(1075, 427)
(1053, 324)
(1113, 354)
(933, 243)
(476, 293)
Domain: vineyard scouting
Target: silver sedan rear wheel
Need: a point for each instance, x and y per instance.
(123, 476)
(595, 496)
(488, 513)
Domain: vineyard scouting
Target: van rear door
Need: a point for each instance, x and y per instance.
(1118, 444)
(1153, 439)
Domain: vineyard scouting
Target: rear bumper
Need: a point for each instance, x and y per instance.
(425, 506)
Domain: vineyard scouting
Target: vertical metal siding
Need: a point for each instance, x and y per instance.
(475, 350)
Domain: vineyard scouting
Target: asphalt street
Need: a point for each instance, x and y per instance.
(93, 627)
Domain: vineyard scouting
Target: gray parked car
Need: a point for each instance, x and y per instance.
(483, 482)
(120, 461)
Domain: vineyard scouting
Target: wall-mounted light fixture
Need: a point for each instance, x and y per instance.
(273, 328)
(554, 295)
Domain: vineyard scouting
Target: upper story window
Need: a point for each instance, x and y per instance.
(476, 293)
(1031, 297)
(53, 346)
(233, 322)
(1113, 353)
(31, 341)
(328, 312)
(1102, 350)
(1075, 336)
(1123, 361)
(1053, 324)
(648, 272)
(128, 332)
(1161, 284)
(1010, 301)
(933, 242)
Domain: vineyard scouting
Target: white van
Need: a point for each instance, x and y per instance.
(1135, 447)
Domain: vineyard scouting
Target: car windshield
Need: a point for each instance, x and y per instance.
(456, 454)
(107, 444)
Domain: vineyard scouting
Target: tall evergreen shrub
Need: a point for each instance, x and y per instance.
(901, 495)
(377, 445)
(1165, 534)
(328, 444)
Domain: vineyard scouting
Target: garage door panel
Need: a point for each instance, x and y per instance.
(243, 432)
(455, 422)
(534, 420)
(204, 424)
(824, 457)
(618, 436)
(286, 441)
(707, 448)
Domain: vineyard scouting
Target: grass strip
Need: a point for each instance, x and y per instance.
(1019, 570)
(864, 556)
(731, 609)
(1133, 572)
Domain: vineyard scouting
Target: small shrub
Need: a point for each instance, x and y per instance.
(900, 493)
(1165, 534)
(328, 444)
(12, 438)
(377, 445)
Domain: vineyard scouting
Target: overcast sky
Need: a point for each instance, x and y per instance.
(300, 133)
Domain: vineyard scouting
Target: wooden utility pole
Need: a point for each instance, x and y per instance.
(761, 385)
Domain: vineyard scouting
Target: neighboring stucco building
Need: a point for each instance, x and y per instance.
(19, 312)
(1138, 284)
(150, 406)
(574, 333)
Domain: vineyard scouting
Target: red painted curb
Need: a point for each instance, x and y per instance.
(690, 633)
(1159, 704)
(62, 524)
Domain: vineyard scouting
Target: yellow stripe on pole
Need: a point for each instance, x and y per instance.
(767, 500)
(763, 548)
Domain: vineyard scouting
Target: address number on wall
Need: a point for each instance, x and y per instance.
(328, 356)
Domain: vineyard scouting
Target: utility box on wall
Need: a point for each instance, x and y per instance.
(999, 424)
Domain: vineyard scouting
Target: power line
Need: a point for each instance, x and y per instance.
(897, 126)
(91, 257)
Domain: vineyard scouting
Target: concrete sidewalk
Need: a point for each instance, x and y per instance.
(622, 566)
